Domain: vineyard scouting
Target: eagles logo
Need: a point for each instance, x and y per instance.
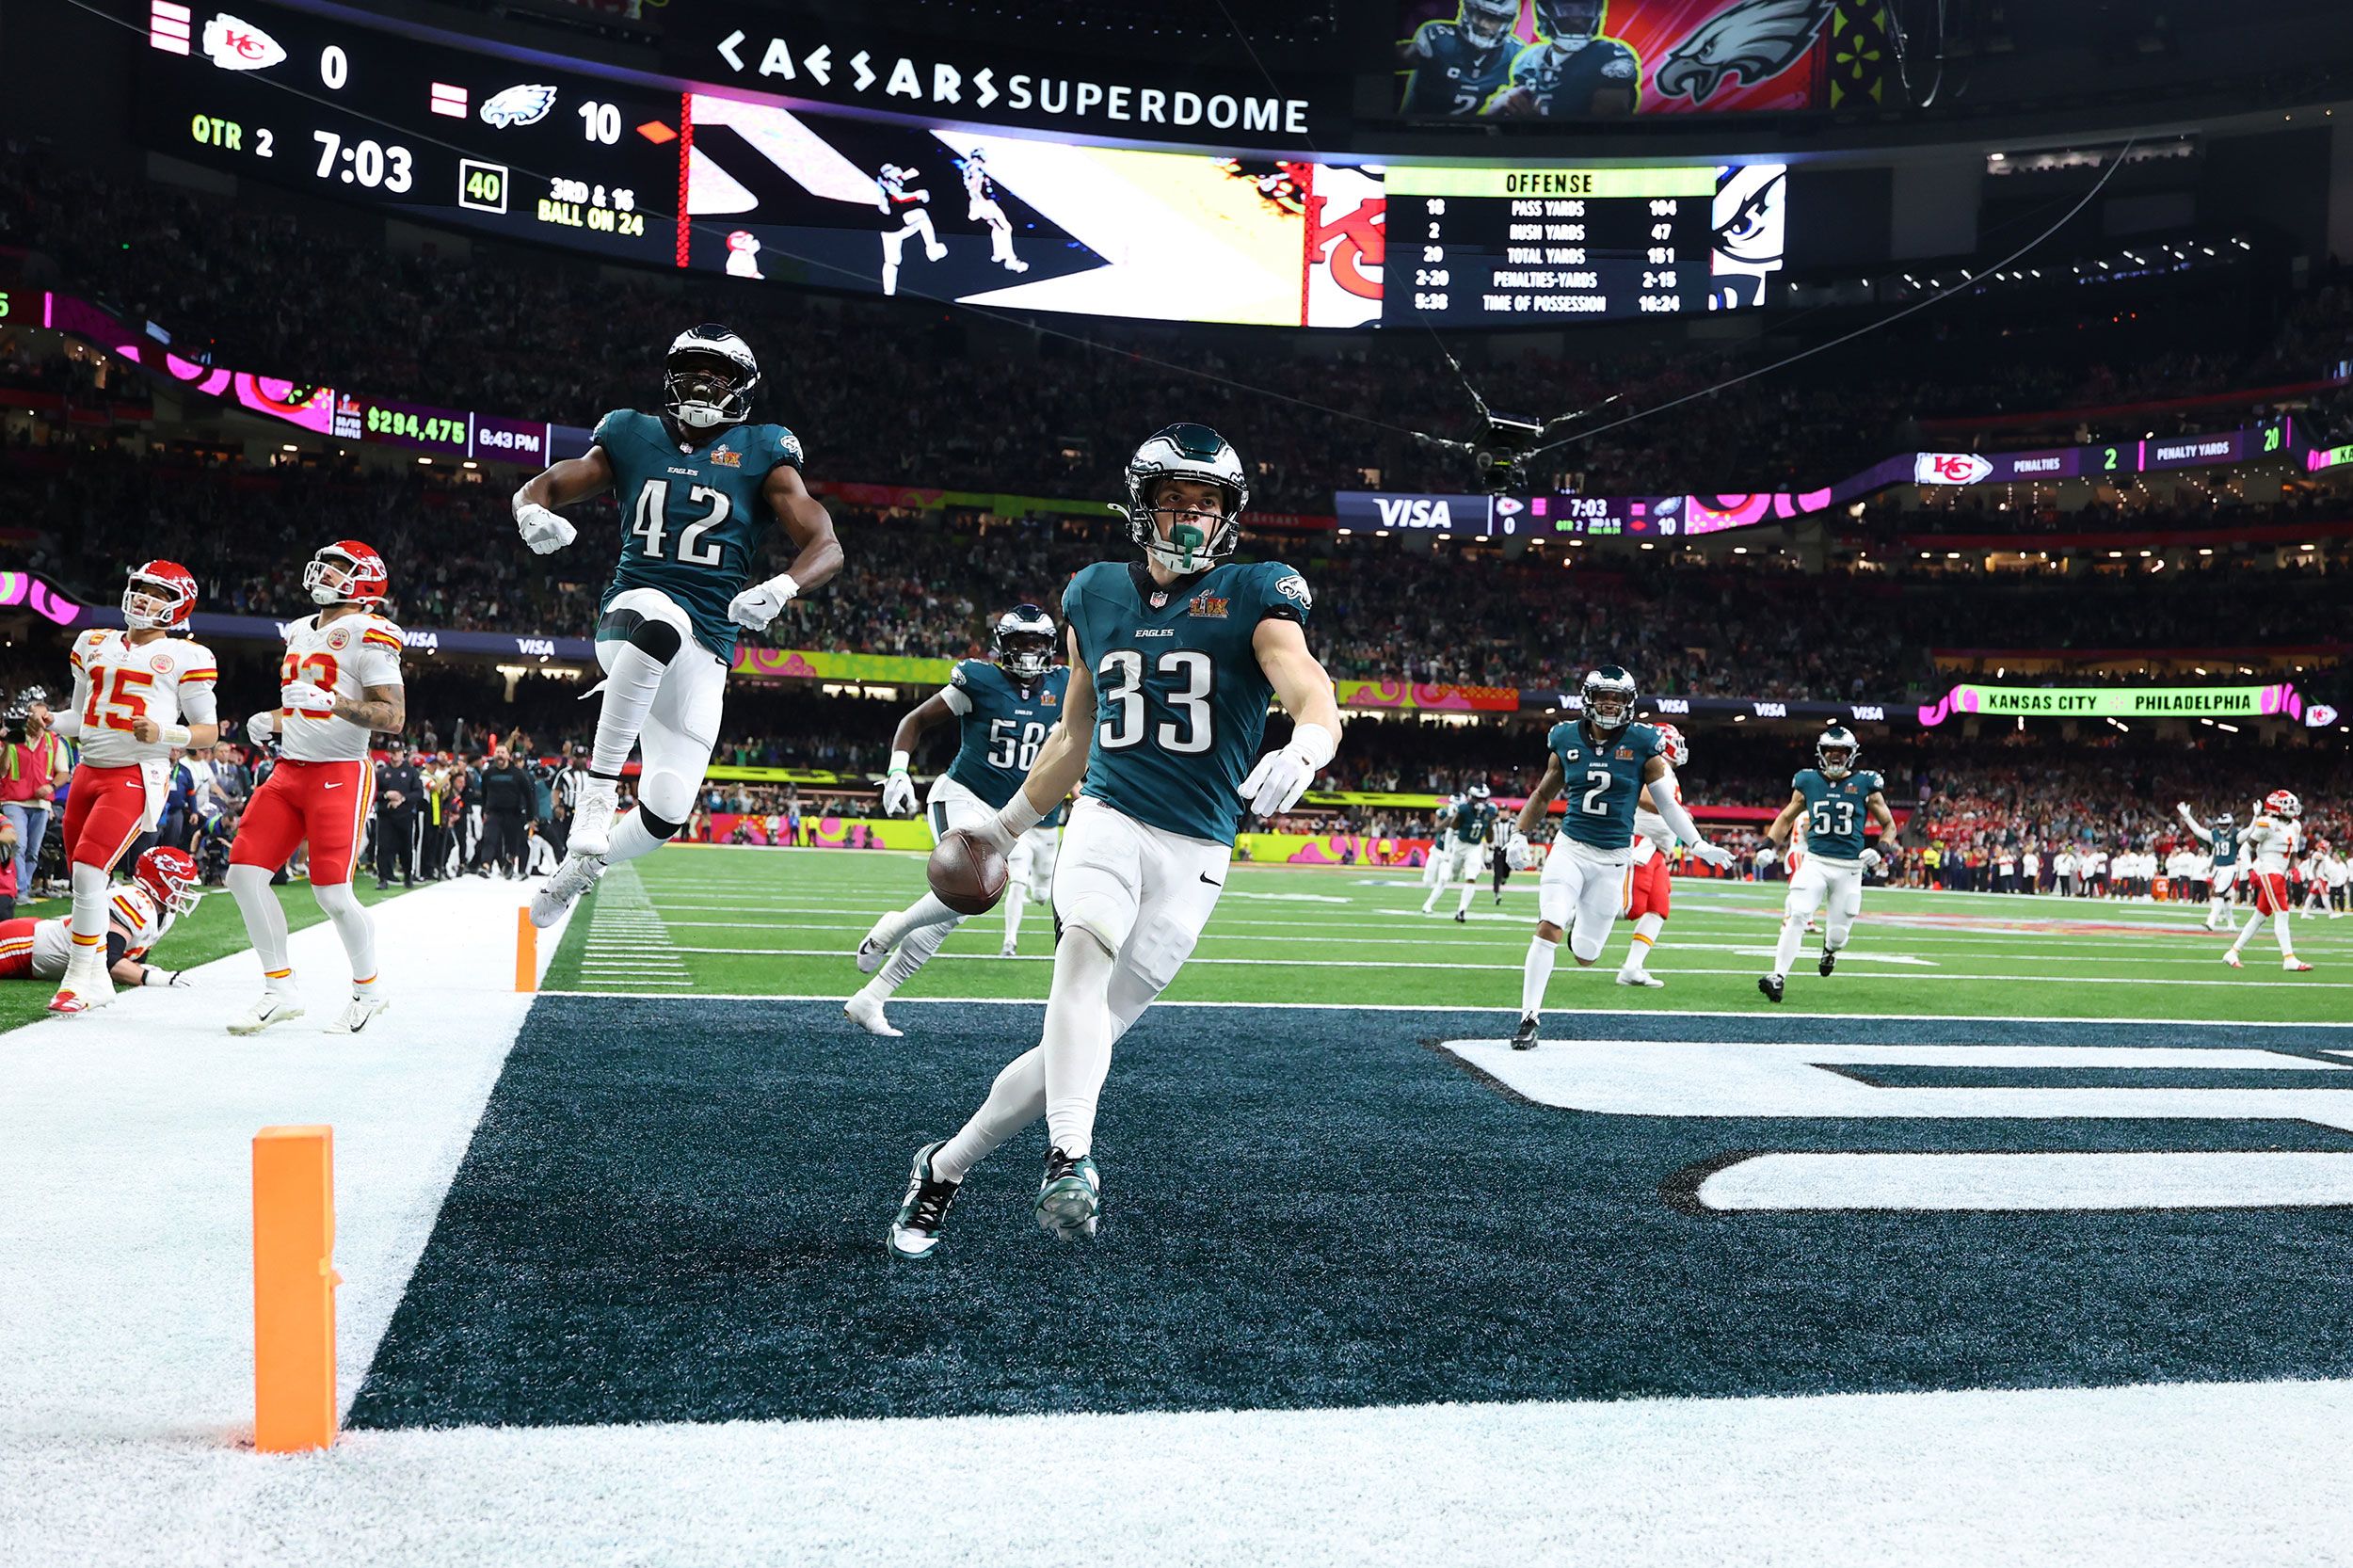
(525, 103)
(1754, 41)
(1294, 588)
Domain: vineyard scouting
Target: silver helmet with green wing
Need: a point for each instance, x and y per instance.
(1196, 541)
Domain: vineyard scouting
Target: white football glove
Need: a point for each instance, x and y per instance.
(305, 697)
(1282, 776)
(1520, 853)
(1872, 859)
(762, 602)
(153, 976)
(260, 728)
(544, 531)
(898, 795)
(1712, 855)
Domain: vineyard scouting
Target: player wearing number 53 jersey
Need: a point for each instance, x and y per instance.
(1003, 706)
(339, 685)
(1172, 660)
(697, 485)
(138, 693)
(1836, 802)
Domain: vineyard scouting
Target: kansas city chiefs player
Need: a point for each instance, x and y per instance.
(2271, 840)
(164, 886)
(1647, 884)
(339, 685)
(131, 690)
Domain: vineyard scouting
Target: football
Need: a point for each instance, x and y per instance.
(967, 872)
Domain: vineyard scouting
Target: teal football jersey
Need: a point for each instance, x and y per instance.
(1001, 731)
(1475, 824)
(692, 517)
(2225, 844)
(1179, 699)
(1834, 816)
(1603, 780)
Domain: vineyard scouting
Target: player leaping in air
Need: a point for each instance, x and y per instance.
(2271, 840)
(697, 485)
(138, 693)
(1002, 709)
(1602, 762)
(339, 685)
(1172, 660)
(1836, 802)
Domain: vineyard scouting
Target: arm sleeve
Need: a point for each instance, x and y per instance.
(1662, 799)
(67, 721)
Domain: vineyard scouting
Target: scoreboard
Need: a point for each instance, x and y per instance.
(1498, 244)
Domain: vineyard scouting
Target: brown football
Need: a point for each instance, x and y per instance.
(967, 872)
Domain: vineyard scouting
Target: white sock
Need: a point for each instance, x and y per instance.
(630, 838)
(264, 923)
(1792, 938)
(1078, 1040)
(2248, 929)
(1469, 889)
(90, 902)
(2280, 928)
(631, 679)
(356, 928)
(1646, 932)
(1015, 896)
(924, 911)
(1015, 1100)
(913, 950)
(1536, 973)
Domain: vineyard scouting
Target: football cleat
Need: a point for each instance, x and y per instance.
(2295, 966)
(355, 1016)
(879, 939)
(2232, 958)
(915, 1234)
(575, 876)
(85, 986)
(275, 1007)
(592, 819)
(1638, 977)
(1830, 961)
(1070, 1198)
(1772, 986)
(1524, 1037)
(867, 1013)
(1461, 919)
(1009, 950)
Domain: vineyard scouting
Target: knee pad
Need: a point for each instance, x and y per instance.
(1553, 902)
(664, 801)
(1587, 946)
(660, 826)
(1089, 899)
(658, 639)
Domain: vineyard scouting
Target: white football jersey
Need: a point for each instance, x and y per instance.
(168, 679)
(129, 912)
(344, 657)
(2272, 841)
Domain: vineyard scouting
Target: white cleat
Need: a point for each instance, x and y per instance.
(867, 1013)
(275, 1007)
(354, 1018)
(1008, 950)
(575, 876)
(2295, 966)
(85, 986)
(1638, 977)
(592, 820)
(879, 940)
(2232, 958)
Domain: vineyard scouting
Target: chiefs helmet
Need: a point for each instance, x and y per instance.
(346, 572)
(1023, 642)
(170, 878)
(1678, 749)
(160, 594)
(2282, 803)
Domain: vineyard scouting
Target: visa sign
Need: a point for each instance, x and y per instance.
(1412, 514)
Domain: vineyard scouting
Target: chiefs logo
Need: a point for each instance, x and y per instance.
(339, 639)
(161, 663)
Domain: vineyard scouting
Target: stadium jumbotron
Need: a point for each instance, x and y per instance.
(1593, 750)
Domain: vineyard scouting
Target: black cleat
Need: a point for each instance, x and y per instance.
(1771, 984)
(915, 1234)
(1461, 919)
(1070, 1199)
(1524, 1037)
(1830, 961)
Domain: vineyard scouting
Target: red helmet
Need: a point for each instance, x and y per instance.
(2282, 803)
(170, 878)
(1678, 749)
(160, 594)
(346, 572)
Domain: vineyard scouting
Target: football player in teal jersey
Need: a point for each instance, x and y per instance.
(1172, 658)
(1433, 870)
(1570, 70)
(697, 485)
(1474, 830)
(1455, 66)
(1002, 709)
(1836, 801)
(1604, 763)
(2221, 837)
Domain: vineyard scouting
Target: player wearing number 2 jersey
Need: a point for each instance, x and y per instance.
(1172, 660)
(697, 485)
(138, 693)
(1004, 708)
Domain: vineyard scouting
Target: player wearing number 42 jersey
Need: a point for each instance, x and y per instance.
(339, 684)
(138, 693)
(1004, 708)
(697, 485)
(1836, 801)
(1172, 660)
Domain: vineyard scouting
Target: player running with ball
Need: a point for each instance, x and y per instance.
(697, 485)
(1172, 660)
(1836, 800)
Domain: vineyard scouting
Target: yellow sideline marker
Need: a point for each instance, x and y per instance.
(294, 1288)
(526, 952)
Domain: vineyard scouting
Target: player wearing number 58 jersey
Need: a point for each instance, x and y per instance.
(697, 485)
(138, 693)
(339, 685)
(1172, 660)
(1836, 802)
(1004, 708)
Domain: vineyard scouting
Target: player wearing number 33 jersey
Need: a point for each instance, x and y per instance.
(697, 485)
(1172, 660)
(1003, 706)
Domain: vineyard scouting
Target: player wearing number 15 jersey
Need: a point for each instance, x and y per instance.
(138, 693)
(697, 485)
(1172, 660)
(1004, 708)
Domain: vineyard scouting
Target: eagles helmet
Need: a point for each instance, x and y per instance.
(1611, 684)
(1486, 25)
(1837, 738)
(1480, 792)
(1199, 455)
(707, 378)
(1678, 749)
(1023, 642)
(1569, 18)
(2282, 803)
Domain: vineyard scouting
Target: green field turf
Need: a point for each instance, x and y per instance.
(696, 920)
(212, 931)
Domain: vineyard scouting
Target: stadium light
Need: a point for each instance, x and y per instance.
(1647, 545)
(2231, 728)
(2205, 551)
(289, 447)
